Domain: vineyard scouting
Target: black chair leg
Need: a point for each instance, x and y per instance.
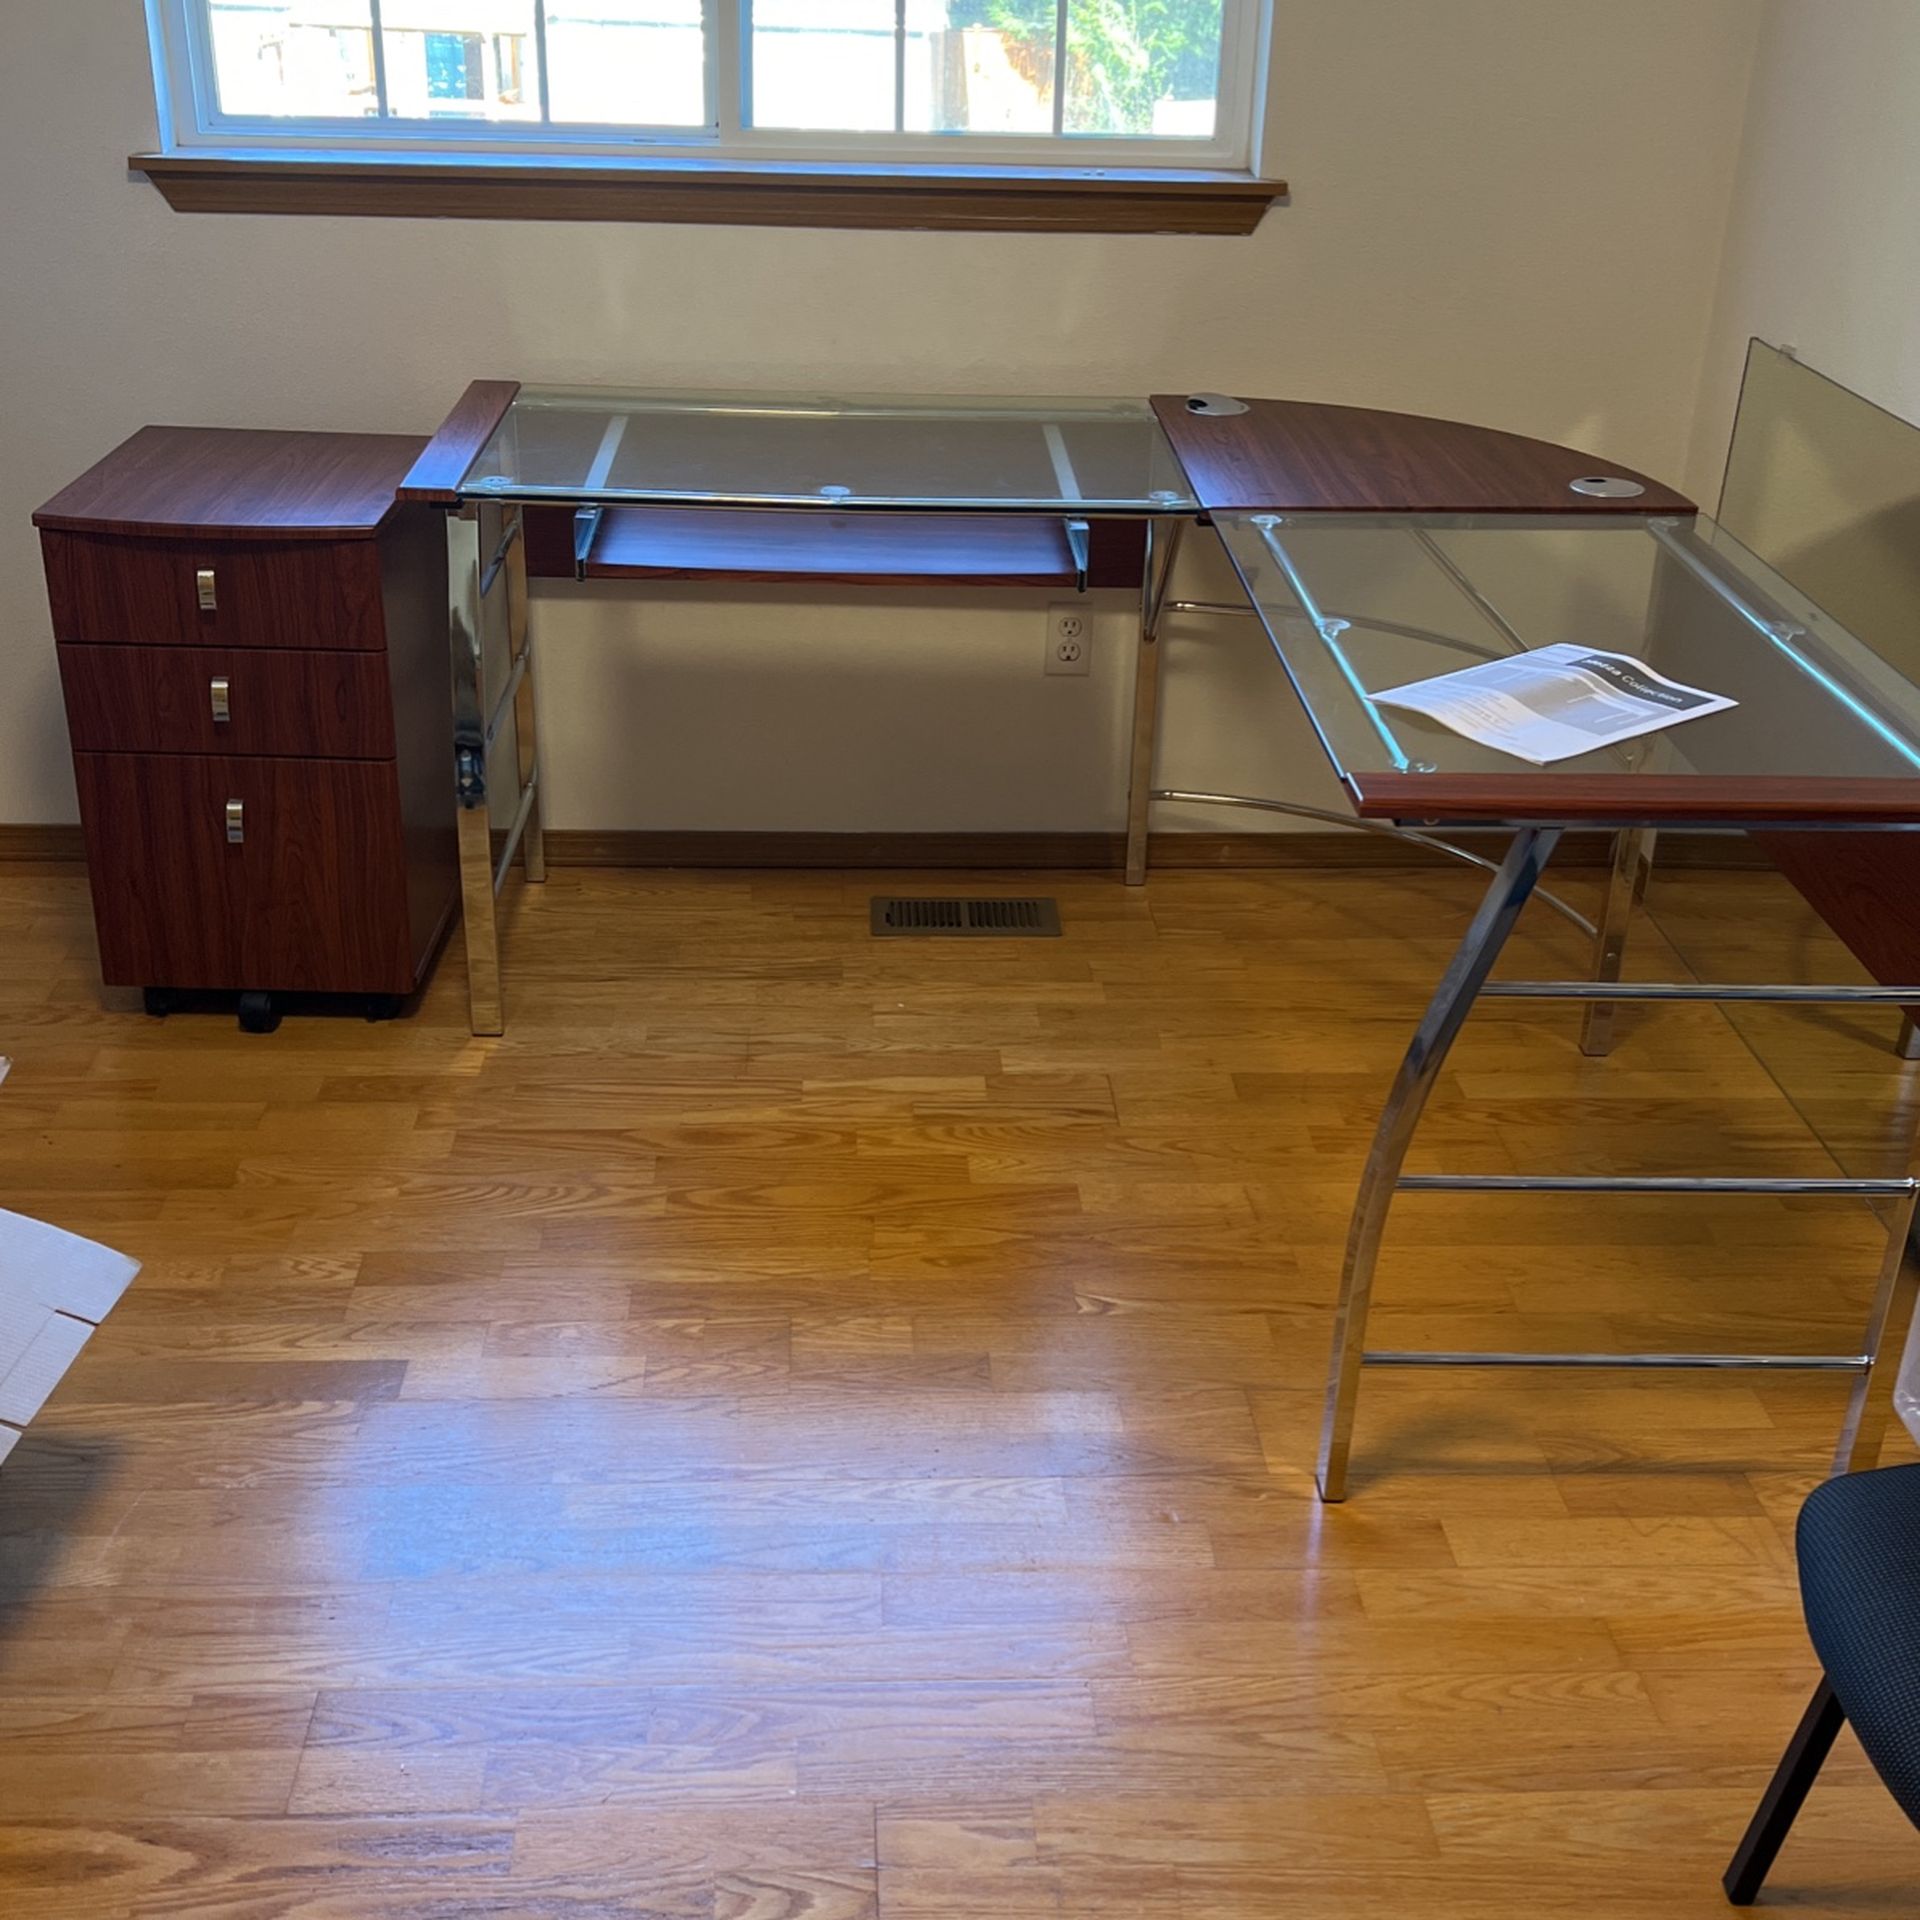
(1786, 1793)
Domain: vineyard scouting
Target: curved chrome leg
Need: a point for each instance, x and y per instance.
(1427, 1052)
(1626, 889)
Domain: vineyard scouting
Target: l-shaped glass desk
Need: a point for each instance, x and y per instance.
(1374, 549)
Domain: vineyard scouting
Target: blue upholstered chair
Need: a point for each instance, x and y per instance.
(1859, 1540)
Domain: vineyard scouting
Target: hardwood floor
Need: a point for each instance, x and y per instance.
(809, 1428)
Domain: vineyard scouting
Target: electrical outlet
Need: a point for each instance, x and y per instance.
(1069, 640)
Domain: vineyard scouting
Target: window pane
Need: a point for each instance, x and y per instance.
(1143, 67)
(980, 66)
(294, 58)
(627, 63)
(458, 59)
(823, 63)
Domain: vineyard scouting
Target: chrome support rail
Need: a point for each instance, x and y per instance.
(586, 530)
(1080, 545)
(1649, 1183)
(509, 538)
(1633, 850)
(1164, 538)
(1219, 609)
(1660, 1362)
(497, 719)
(474, 609)
(1330, 626)
(521, 815)
(1728, 991)
(1465, 980)
(1385, 830)
(1469, 592)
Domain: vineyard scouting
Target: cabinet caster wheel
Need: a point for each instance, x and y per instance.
(258, 1014)
(383, 1006)
(158, 1001)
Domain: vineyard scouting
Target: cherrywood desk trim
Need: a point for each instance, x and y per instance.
(1299, 456)
(1564, 799)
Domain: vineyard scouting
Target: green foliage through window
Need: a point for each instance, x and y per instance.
(1124, 57)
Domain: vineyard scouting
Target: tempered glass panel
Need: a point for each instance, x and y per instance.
(293, 60)
(460, 59)
(1836, 1064)
(627, 63)
(746, 449)
(1825, 486)
(1356, 605)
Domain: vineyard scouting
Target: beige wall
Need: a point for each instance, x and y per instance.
(1508, 211)
(1823, 246)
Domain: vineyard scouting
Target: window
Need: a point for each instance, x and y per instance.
(1159, 83)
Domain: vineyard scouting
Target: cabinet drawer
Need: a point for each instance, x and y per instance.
(173, 699)
(176, 593)
(311, 897)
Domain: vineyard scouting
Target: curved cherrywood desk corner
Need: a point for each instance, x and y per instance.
(1300, 456)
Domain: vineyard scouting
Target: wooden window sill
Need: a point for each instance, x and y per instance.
(763, 193)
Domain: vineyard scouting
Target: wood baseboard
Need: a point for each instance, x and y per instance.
(41, 844)
(1008, 852)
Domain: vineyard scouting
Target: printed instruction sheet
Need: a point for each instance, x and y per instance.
(1555, 702)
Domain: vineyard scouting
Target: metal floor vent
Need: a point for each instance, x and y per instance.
(955, 919)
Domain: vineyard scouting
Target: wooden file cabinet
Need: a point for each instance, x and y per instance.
(252, 648)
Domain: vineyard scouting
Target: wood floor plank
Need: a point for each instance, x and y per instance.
(809, 1428)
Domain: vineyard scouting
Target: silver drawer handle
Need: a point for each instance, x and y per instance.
(236, 822)
(209, 595)
(221, 693)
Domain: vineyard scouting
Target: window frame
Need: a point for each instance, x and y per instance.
(191, 119)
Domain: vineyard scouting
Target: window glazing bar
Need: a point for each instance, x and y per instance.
(379, 60)
(899, 66)
(540, 61)
(1060, 66)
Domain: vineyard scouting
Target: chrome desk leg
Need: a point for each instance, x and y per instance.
(467, 550)
(1868, 1413)
(1519, 873)
(1163, 547)
(1626, 889)
(526, 725)
(1907, 1047)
